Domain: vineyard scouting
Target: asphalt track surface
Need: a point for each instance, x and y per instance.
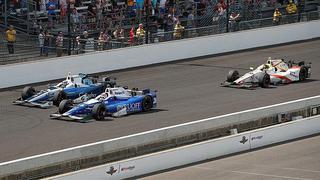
(298, 160)
(187, 91)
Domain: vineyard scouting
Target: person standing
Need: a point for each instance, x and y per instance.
(83, 41)
(51, 7)
(41, 42)
(46, 43)
(11, 36)
(59, 44)
(140, 33)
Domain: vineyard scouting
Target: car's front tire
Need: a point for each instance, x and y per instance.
(27, 92)
(303, 74)
(264, 80)
(58, 97)
(147, 103)
(65, 105)
(98, 112)
(232, 75)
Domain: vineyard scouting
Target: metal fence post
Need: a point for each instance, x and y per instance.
(5, 13)
(147, 22)
(228, 6)
(69, 29)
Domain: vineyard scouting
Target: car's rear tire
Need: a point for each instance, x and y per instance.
(27, 92)
(98, 112)
(264, 80)
(232, 75)
(58, 97)
(65, 105)
(303, 74)
(147, 103)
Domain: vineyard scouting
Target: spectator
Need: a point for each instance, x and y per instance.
(190, 21)
(154, 6)
(222, 15)
(162, 6)
(131, 35)
(42, 5)
(118, 33)
(291, 11)
(51, 7)
(139, 6)
(59, 44)
(153, 28)
(99, 13)
(178, 30)
(82, 41)
(170, 24)
(75, 17)
(101, 41)
(41, 42)
(11, 36)
(46, 42)
(63, 10)
(277, 17)
(234, 21)
(140, 33)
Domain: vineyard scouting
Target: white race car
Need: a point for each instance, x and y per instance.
(274, 71)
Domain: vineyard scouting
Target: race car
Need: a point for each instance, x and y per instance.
(78, 87)
(274, 71)
(114, 102)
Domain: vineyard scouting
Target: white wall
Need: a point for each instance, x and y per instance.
(200, 151)
(38, 71)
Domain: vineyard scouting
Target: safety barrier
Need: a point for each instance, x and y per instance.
(200, 151)
(89, 155)
(50, 69)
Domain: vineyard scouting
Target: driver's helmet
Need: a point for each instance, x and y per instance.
(103, 96)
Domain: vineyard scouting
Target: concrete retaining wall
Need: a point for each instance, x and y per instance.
(51, 69)
(199, 152)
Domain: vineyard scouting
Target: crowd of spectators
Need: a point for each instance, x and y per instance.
(125, 21)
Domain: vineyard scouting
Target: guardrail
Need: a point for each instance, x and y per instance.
(98, 153)
(199, 152)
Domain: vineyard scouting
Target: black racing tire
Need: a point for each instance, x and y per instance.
(264, 80)
(147, 103)
(27, 92)
(98, 112)
(233, 75)
(303, 74)
(65, 105)
(58, 97)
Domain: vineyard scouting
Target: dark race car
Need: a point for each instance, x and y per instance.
(78, 87)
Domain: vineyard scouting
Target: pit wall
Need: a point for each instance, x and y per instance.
(51, 69)
(199, 152)
(103, 152)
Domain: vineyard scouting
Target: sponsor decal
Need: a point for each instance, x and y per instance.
(294, 74)
(256, 137)
(111, 170)
(243, 140)
(127, 168)
(130, 107)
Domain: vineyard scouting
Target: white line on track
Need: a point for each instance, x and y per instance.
(268, 167)
(256, 174)
(306, 170)
(268, 175)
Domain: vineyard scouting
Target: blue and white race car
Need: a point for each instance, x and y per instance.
(78, 87)
(115, 102)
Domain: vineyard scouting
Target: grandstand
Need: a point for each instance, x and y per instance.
(199, 17)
